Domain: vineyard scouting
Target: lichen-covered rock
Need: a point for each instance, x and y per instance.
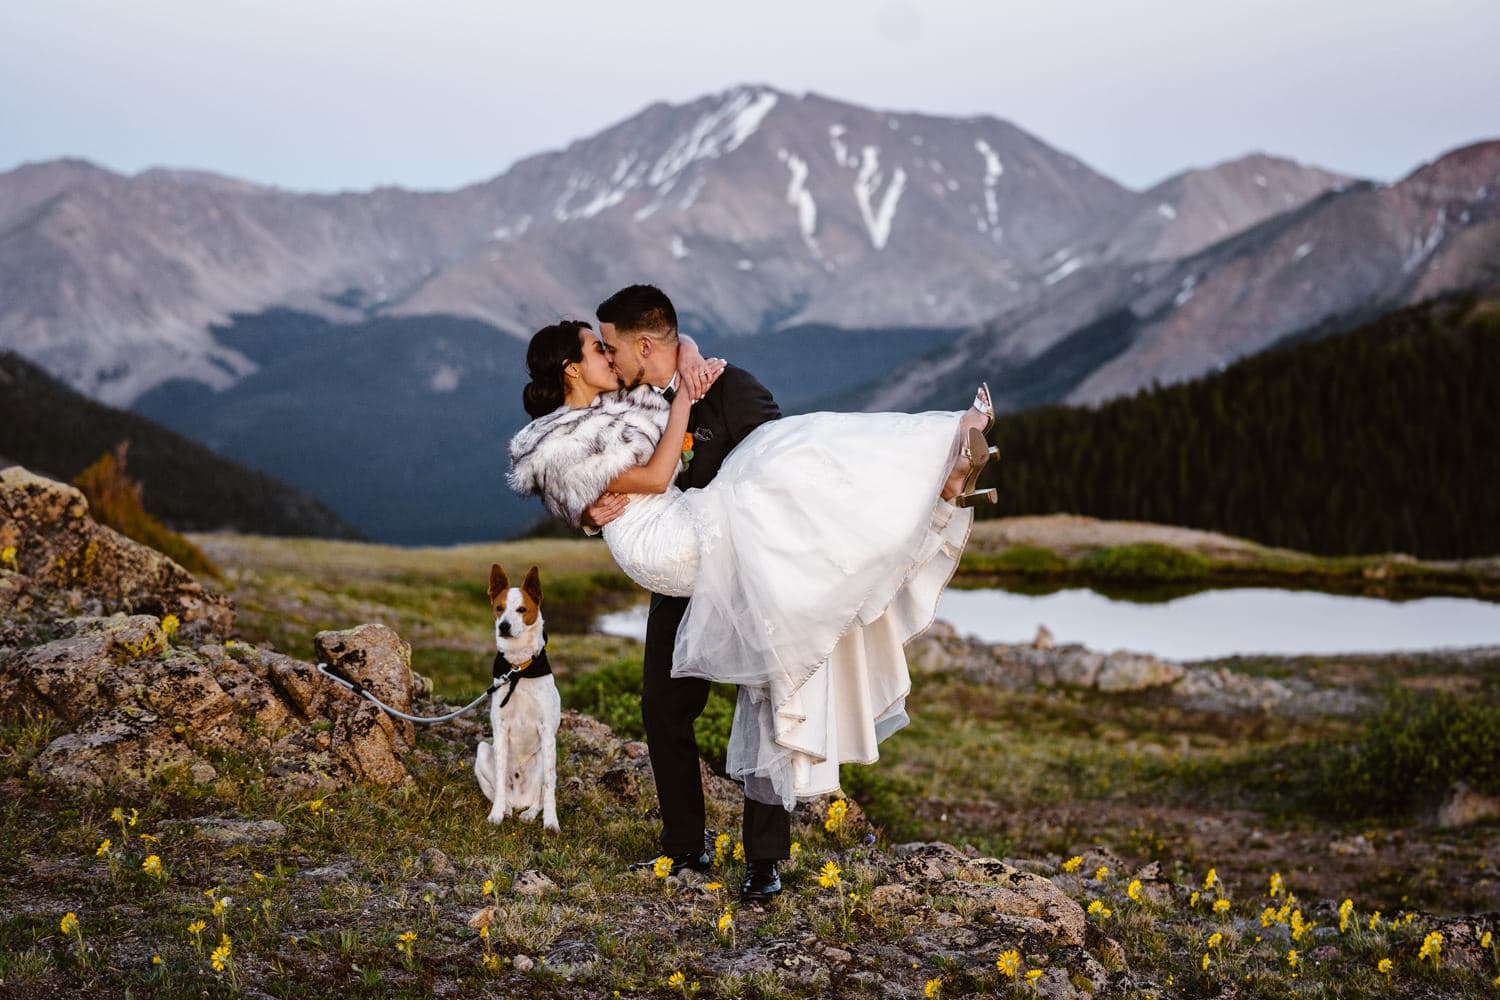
(60, 548)
(379, 659)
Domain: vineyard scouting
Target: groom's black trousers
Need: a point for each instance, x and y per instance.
(669, 706)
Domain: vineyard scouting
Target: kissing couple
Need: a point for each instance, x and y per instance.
(791, 556)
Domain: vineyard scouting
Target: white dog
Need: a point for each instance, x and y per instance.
(519, 772)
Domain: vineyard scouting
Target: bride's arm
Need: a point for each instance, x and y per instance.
(659, 471)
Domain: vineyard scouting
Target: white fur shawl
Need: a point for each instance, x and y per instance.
(570, 455)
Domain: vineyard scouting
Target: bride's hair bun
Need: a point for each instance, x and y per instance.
(551, 349)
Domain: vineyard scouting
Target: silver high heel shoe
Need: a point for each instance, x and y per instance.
(978, 451)
(985, 405)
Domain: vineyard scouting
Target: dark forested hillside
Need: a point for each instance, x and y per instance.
(1383, 439)
(53, 430)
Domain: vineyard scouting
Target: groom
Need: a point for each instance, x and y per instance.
(639, 326)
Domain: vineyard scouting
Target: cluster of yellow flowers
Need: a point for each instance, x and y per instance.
(1072, 864)
(721, 848)
(1346, 910)
(1098, 909)
(837, 810)
(8, 558)
(1432, 947)
(220, 959)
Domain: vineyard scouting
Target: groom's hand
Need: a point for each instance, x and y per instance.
(604, 510)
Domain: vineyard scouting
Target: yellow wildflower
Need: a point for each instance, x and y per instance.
(714, 886)
(796, 848)
(135, 814)
(933, 988)
(1221, 906)
(726, 922)
(152, 866)
(1009, 963)
(196, 927)
(1374, 919)
(1102, 872)
(1432, 947)
(1215, 939)
(1134, 890)
(1072, 864)
(828, 878)
(170, 625)
(721, 848)
(148, 838)
(1267, 916)
(489, 887)
(408, 937)
(1345, 909)
(484, 933)
(220, 905)
(103, 848)
(661, 867)
(155, 959)
(491, 962)
(220, 956)
(8, 557)
(1484, 942)
(1033, 975)
(1193, 899)
(837, 810)
(69, 922)
(117, 814)
(1292, 958)
(676, 980)
(739, 850)
(1205, 961)
(1277, 885)
(258, 876)
(1300, 926)
(1383, 967)
(1211, 879)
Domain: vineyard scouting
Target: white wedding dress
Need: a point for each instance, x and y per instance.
(817, 551)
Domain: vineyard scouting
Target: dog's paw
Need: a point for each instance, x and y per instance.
(496, 816)
(530, 815)
(550, 823)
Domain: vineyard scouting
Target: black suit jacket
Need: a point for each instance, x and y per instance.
(734, 406)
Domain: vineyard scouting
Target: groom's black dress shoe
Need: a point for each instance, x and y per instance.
(761, 884)
(701, 862)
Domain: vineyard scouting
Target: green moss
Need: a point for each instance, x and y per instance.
(1146, 561)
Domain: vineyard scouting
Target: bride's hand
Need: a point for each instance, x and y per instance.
(697, 376)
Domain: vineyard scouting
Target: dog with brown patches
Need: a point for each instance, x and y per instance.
(518, 772)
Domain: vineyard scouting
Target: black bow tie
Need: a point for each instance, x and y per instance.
(669, 394)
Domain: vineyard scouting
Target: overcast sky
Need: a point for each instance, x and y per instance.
(336, 94)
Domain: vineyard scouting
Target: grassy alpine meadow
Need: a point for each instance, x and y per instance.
(1227, 854)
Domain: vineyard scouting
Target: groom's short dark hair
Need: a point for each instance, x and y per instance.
(640, 309)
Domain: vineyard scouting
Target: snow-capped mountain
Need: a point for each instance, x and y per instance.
(754, 208)
(1113, 326)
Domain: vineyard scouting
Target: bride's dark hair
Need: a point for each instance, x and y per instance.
(551, 349)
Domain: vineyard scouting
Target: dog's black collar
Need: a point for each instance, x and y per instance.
(501, 668)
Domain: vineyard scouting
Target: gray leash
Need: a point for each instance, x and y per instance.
(358, 688)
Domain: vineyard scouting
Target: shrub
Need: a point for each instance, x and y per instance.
(115, 500)
(1412, 752)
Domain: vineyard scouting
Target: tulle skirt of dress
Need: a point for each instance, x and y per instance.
(817, 552)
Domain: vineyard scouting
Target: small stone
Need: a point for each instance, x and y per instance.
(522, 963)
(436, 864)
(532, 883)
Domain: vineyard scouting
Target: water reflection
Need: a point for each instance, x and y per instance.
(1206, 624)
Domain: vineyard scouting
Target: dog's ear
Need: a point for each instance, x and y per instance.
(499, 582)
(532, 587)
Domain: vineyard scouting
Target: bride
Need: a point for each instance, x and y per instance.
(818, 550)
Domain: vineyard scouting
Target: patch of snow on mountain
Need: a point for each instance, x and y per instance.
(878, 218)
(800, 198)
(840, 149)
(992, 172)
(720, 131)
(692, 194)
(502, 233)
(1260, 179)
(1303, 249)
(1166, 211)
(1066, 268)
(677, 248)
(745, 264)
(1186, 291)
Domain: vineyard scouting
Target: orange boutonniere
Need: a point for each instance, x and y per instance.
(687, 450)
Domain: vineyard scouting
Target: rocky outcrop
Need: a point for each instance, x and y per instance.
(59, 548)
(1201, 687)
(129, 656)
